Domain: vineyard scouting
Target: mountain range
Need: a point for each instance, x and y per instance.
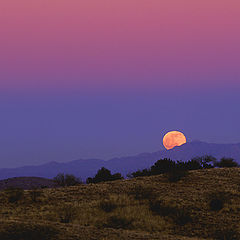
(84, 168)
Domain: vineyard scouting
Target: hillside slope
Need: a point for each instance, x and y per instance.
(26, 183)
(141, 208)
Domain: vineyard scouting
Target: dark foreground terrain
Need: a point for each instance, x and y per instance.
(205, 204)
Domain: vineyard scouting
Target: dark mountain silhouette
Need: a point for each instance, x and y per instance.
(88, 167)
(27, 183)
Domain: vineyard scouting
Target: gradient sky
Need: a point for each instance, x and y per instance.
(83, 79)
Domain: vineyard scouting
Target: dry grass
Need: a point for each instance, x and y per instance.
(131, 217)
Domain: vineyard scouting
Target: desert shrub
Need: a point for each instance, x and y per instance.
(35, 194)
(217, 200)
(159, 208)
(19, 231)
(67, 213)
(118, 222)
(104, 175)
(177, 174)
(181, 217)
(226, 163)
(14, 195)
(108, 205)
(226, 234)
(178, 215)
(60, 179)
(71, 180)
(66, 180)
(142, 193)
(216, 204)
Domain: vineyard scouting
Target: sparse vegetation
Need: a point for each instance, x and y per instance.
(205, 205)
(64, 180)
(227, 234)
(177, 174)
(108, 205)
(21, 231)
(217, 200)
(67, 213)
(14, 195)
(118, 222)
(35, 194)
(180, 216)
(142, 193)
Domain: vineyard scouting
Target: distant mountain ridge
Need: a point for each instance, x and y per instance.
(88, 167)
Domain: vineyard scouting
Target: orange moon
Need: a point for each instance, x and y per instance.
(173, 139)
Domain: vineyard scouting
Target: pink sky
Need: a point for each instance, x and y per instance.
(72, 44)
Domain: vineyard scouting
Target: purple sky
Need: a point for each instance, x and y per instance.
(67, 126)
(84, 79)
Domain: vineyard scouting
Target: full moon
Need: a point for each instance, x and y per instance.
(173, 139)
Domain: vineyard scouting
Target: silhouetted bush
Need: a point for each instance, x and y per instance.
(176, 174)
(206, 161)
(104, 175)
(217, 200)
(14, 195)
(193, 164)
(66, 180)
(20, 231)
(35, 194)
(162, 166)
(159, 208)
(140, 173)
(181, 217)
(67, 213)
(71, 180)
(107, 205)
(60, 179)
(226, 163)
(177, 170)
(227, 234)
(142, 193)
(118, 222)
(174, 168)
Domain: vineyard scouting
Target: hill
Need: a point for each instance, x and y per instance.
(26, 183)
(140, 208)
(88, 167)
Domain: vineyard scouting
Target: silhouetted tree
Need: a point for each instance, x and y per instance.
(104, 175)
(71, 180)
(139, 173)
(162, 166)
(60, 179)
(206, 161)
(189, 165)
(226, 163)
(67, 180)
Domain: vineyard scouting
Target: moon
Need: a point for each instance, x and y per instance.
(173, 139)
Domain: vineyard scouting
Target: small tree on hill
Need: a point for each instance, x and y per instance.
(66, 180)
(104, 175)
(162, 166)
(227, 163)
(205, 162)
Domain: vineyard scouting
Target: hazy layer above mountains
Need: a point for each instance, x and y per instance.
(88, 167)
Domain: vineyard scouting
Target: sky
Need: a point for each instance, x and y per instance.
(101, 79)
